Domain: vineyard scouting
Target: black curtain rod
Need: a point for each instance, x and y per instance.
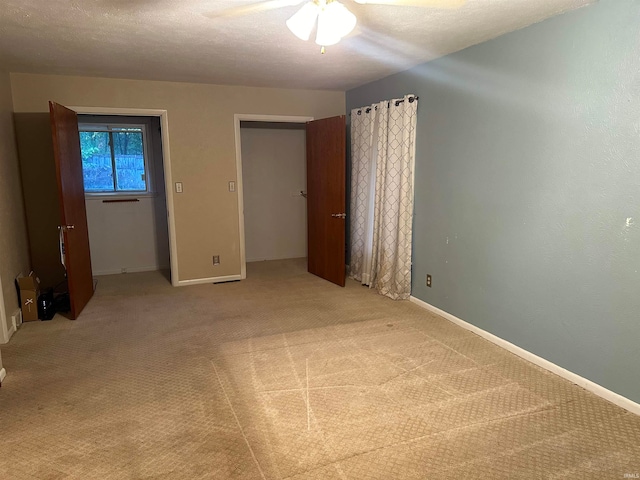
(397, 102)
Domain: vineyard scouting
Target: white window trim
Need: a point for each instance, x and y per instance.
(148, 164)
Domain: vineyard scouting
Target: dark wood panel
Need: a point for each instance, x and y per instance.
(68, 160)
(326, 177)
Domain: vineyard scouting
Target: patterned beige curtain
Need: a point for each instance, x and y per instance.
(382, 195)
(362, 189)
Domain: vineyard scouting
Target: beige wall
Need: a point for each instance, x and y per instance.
(109, 223)
(14, 253)
(202, 147)
(273, 173)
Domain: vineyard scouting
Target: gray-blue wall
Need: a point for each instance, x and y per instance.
(527, 203)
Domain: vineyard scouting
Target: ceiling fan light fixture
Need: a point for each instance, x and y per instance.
(302, 22)
(341, 19)
(334, 22)
(326, 34)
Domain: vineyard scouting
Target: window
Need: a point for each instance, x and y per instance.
(114, 159)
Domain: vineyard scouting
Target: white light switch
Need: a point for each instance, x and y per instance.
(232, 186)
(178, 187)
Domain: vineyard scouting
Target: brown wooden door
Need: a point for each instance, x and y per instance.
(326, 202)
(73, 214)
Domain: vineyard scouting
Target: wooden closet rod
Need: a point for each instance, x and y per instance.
(121, 200)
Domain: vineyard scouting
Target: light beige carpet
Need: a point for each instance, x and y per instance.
(287, 376)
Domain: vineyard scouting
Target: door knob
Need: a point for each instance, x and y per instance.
(66, 227)
(339, 215)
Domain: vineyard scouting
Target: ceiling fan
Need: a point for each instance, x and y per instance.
(332, 19)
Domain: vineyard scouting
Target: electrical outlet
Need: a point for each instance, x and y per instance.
(216, 259)
(428, 280)
(178, 187)
(232, 186)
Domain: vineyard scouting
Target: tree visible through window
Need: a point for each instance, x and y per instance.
(113, 159)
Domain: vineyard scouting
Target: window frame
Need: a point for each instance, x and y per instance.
(112, 128)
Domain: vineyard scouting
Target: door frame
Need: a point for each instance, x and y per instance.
(5, 330)
(247, 117)
(166, 166)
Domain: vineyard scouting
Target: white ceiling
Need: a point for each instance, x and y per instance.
(173, 40)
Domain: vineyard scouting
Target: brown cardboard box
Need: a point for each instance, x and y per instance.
(29, 292)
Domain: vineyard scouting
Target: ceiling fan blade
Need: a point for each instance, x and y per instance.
(252, 8)
(417, 3)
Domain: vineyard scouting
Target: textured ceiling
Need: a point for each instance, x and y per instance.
(173, 40)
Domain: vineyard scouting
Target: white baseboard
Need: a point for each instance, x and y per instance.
(593, 387)
(11, 326)
(10, 331)
(199, 281)
(116, 271)
(7, 329)
(3, 374)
